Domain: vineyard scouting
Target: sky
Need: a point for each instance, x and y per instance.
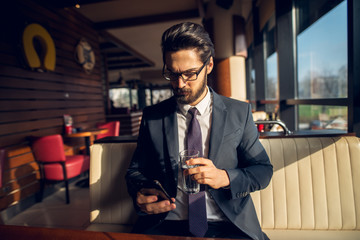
(323, 46)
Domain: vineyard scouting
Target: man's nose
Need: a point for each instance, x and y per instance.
(180, 82)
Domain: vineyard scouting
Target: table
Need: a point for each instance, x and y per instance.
(8, 232)
(89, 135)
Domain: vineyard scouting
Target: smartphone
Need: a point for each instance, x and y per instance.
(161, 188)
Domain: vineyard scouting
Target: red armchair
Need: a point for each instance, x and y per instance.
(54, 165)
(113, 127)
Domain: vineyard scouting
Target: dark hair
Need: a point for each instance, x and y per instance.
(187, 36)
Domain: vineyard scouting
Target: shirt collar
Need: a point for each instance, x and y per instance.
(201, 106)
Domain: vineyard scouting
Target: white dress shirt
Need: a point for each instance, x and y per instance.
(204, 117)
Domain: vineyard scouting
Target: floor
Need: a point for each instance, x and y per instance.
(53, 212)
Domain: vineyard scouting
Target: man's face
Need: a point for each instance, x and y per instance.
(189, 92)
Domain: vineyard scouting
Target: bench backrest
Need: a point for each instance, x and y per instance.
(109, 200)
(315, 184)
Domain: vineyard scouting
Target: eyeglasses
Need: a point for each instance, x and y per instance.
(186, 76)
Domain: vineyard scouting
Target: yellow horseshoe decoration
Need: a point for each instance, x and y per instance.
(36, 31)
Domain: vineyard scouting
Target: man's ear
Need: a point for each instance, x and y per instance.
(210, 65)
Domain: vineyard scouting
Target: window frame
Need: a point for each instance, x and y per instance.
(287, 22)
(286, 29)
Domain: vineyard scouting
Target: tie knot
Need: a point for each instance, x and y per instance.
(193, 111)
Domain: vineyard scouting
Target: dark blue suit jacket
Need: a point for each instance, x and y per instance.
(234, 146)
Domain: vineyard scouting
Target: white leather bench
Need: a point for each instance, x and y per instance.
(314, 192)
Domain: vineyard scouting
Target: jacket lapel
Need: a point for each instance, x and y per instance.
(171, 136)
(219, 116)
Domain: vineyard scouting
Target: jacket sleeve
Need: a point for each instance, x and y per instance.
(254, 169)
(136, 174)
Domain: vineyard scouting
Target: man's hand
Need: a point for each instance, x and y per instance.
(207, 173)
(147, 200)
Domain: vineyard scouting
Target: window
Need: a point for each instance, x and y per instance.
(121, 97)
(271, 66)
(252, 89)
(271, 92)
(250, 78)
(322, 62)
(300, 59)
(322, 56)
(157, 95)
(317, 117)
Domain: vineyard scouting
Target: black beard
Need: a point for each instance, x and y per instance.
(192, 97)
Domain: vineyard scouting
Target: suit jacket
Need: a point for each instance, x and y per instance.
(234, 146)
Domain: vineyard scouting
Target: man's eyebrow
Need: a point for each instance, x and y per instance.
(188, 70)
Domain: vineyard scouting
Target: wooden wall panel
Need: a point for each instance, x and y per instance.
(28, 115)
(33, 103)
(22, 73)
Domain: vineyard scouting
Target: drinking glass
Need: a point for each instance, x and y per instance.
(189, 184)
